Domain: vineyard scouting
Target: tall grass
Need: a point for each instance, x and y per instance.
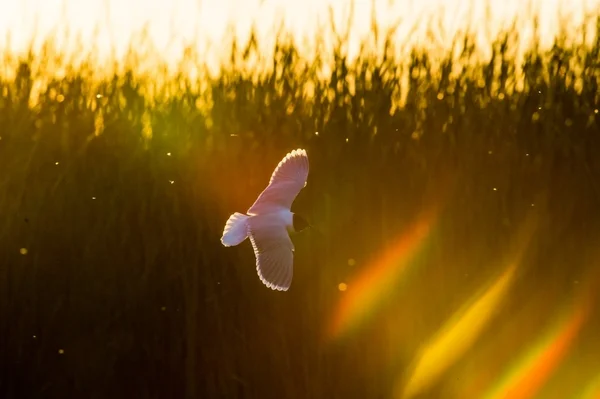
(118, 188)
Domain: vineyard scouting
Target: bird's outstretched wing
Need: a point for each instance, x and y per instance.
(273, 249)
(286, 182)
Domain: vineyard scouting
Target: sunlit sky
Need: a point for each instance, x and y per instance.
(111, 23)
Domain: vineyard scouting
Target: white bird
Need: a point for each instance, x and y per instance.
(269, 222)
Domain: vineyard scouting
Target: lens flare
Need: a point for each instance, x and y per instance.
(524, 379)
(366, 290)
(462, 330)
(457, 336)
(592, 391)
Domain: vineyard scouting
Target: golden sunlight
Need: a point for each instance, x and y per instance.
(110, 25)
(452, 192)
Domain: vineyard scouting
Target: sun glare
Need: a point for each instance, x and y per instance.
(110, 25)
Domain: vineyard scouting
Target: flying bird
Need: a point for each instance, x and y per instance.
(269, 222)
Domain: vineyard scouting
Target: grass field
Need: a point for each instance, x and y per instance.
(430, 176)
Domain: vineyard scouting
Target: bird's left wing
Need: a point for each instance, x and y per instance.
(273, 249)
(286, 182)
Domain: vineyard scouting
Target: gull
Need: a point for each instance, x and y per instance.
(269, 222)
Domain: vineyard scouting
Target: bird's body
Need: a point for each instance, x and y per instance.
(278, 217)
(269, 221)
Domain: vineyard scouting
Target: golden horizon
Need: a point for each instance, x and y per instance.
(110, 26)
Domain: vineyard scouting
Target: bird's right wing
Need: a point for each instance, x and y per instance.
(273, 249)
(286, 182)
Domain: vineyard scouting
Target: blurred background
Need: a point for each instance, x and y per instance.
(454, 186)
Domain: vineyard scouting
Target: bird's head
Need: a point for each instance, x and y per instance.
(300, 223)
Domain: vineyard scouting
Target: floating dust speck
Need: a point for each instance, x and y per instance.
(168, 154)
(93, 198)
(595, 111)
(342, 287)
(56, 163)
(316, 133)
(61, 351)
(163, 308)
(171, 181)
(495, 189)
(34, 337)
(23, 251)
(351, 262)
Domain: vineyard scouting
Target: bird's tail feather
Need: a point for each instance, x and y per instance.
(236, 229)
